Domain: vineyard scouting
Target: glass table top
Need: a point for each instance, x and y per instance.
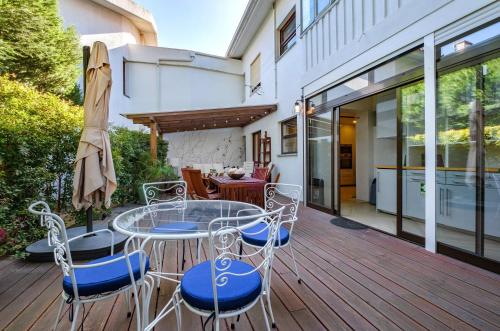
(183, 219)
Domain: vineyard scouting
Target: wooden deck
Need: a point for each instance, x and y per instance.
(352, 279)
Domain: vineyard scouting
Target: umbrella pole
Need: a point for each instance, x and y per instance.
(88, 213)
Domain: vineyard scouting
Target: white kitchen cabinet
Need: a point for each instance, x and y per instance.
(386, 115)
(456, 202)
(413, 194)
(386, 190)
(492, 206)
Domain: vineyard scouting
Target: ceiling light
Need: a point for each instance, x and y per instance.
(355, 121)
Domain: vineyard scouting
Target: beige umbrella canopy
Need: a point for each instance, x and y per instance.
(95, 179)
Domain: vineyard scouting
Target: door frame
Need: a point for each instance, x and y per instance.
(400, 233)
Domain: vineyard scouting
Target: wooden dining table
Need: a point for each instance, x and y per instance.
(246, 189)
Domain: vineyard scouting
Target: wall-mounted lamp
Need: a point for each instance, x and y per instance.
(298, 107)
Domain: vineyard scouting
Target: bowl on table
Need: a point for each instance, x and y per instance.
(236, 176)
(236, 173)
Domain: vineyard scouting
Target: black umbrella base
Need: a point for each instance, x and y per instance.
(86, 248)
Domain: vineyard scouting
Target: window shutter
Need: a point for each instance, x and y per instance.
(255, 72)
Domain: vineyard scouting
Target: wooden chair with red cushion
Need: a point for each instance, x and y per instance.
(260, 173)
(198, 186)
(187, 179)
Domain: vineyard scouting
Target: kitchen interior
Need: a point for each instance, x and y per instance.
(368, 173)
(367, 158)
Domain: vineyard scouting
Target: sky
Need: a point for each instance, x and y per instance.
(200, 25)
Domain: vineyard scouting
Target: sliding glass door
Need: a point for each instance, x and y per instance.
(320, 159)
(468, 147)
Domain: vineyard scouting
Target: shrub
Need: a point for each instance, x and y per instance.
(39, 135)
(134, 165)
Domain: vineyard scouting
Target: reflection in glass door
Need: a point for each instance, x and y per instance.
(468, 159)
(319, 147)
(491, 134)
(412, 158)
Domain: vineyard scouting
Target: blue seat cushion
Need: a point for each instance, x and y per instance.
(257, 235)
(105, 278)
(178, 227)
(239, 291)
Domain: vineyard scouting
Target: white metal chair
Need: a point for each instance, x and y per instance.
(99, 279)
(175, 193)
(276, 195)
(225, 286)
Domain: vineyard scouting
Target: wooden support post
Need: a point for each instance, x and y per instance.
(153, 144)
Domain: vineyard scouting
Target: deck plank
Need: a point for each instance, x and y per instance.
(352, 279)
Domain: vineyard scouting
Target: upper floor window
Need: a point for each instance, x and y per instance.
(255, 74)
(289, 136)
(311, 9)
(287, 34)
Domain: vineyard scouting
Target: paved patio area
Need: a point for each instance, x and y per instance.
(352, 279)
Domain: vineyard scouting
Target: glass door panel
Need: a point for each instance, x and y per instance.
(491, 132)
(319, 147)
(456, 158)
(413, 162)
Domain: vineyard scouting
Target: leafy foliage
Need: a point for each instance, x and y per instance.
(38, 140)
(39, 136)
(36, 48)
(134, 165)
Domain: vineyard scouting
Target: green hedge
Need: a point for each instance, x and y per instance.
(133, 163)
(38, 140)
(39, 136)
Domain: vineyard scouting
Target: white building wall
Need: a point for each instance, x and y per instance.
(162, 79)
(284, 91)
(95, 22)
(341, 44)
(224, 146)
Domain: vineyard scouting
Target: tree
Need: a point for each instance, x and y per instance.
(35, 48)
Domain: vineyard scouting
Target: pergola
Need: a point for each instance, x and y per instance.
(199, 119)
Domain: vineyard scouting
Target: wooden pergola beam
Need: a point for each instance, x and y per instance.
(153, 140)
(202, 119)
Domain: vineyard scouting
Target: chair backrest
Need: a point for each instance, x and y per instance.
(248, 166)
(224, 236)
(260, 173)
(197, 166)
(277, 195)
(198, 186)
(171, 191)
(57, 238)
(187, 178)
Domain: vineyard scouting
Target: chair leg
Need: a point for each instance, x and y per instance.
(217, 324)
(265, 314)
(269, 306)
(295, 264)
(178, 312)
(241, 249)
(183, 253)
(137, 309)
(127, 299)
(59, 312)
(198, 248)
(75, 317)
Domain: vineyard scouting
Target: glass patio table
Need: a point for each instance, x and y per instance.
(179, 220)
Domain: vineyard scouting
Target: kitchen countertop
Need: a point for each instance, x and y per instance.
(439, 168)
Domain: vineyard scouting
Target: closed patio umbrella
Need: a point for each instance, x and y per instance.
(94, 180)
